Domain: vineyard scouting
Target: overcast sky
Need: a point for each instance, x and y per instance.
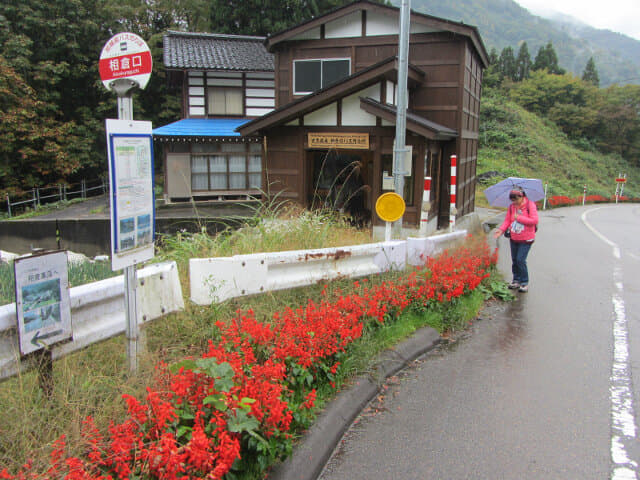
(618, 15)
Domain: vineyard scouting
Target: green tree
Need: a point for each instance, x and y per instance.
(618, 127)
(507, 64)
(544, 90)
(547, 59)
(36, 149)
(523, 63)
(590, 73)
(264, 17)
(492, 77)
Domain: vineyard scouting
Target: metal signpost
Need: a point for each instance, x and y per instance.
(620, 181)
(43, 308)
(390, 207)
(126, 63)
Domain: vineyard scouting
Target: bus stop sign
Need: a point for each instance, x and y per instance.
(125, 56)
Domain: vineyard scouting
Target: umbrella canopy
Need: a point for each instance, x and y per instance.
(498, 194)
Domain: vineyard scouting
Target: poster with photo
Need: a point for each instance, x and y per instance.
(42, 300)
(131, 188)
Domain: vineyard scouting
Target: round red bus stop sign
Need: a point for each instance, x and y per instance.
(125, 56)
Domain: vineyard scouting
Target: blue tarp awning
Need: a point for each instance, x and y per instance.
(201, 127)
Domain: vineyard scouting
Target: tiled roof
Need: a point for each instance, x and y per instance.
(207, 51)
(201, 127)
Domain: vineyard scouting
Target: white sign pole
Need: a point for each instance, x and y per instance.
(126, 63)
(124, 90)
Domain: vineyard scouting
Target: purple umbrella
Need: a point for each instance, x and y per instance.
(498, 194)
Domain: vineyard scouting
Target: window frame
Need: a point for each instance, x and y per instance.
(247, 154)
(322, 61)
(210, 89)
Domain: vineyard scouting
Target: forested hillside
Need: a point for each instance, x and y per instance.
(563, 130)
(504, 23)
(53, 105)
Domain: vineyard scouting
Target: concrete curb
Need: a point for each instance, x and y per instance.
(315, 448)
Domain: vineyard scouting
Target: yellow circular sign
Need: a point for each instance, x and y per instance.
(390, 206)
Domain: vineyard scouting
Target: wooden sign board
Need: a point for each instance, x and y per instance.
(351, 141)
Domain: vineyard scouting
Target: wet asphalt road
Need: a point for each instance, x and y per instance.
(526, 393)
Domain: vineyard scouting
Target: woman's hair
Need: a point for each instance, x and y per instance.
(517, 190)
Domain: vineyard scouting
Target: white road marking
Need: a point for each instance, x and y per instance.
(623, 426)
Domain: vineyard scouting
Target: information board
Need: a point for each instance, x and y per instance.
(42, 300)
(132, 199)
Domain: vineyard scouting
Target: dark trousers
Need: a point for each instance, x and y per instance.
(519, 252)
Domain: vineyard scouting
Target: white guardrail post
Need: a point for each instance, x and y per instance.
(97, 312)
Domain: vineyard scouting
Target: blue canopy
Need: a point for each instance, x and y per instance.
(201, 127)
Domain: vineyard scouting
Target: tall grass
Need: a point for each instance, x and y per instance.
(79, 274)
(91, 382)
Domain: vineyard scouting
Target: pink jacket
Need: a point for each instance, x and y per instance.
(527, 215)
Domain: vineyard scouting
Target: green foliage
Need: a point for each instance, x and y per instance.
(505, 23)
(590, 73)
(523, 63)
(547, 59)
(542, 91)
(516, 142)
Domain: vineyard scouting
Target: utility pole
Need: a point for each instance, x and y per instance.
(400, 149)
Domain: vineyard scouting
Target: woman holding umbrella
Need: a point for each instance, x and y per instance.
(520, 225)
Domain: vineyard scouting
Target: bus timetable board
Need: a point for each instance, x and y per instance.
(130, 148)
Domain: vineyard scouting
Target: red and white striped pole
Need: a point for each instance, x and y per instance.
(452, 195)
(426, 205)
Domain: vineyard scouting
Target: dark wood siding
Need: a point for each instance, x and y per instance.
(468, 140)
(449, 95)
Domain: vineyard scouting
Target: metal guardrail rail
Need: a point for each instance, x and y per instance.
(97, 313)
(217, 279)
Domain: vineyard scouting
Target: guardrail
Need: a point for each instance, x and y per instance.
(57, 193)
(217, 279)
(97, 313)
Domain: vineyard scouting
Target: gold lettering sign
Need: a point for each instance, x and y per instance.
(354, 141)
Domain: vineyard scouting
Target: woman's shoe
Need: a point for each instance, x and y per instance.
(523, 288)
(514, 285)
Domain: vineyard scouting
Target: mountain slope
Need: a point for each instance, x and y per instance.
(514, 142)
(505, 23)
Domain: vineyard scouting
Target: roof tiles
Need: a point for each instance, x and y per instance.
(183, 50)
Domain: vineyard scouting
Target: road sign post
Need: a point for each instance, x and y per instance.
(620, 181)
(126, 63)
(390, 207)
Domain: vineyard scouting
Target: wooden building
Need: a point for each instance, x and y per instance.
(328, 137)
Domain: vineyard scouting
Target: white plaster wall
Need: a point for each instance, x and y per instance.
(313, 34)
(260, 83)
(261, 102)
(261, 92)
(327, 116)
(224, 82)
(352, 114)
(379, 24)
(257, 112)
(224, 74)
(348, 26)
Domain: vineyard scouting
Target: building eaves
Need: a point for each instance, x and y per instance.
(387, 68)
(458, 28)
(415, 123)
